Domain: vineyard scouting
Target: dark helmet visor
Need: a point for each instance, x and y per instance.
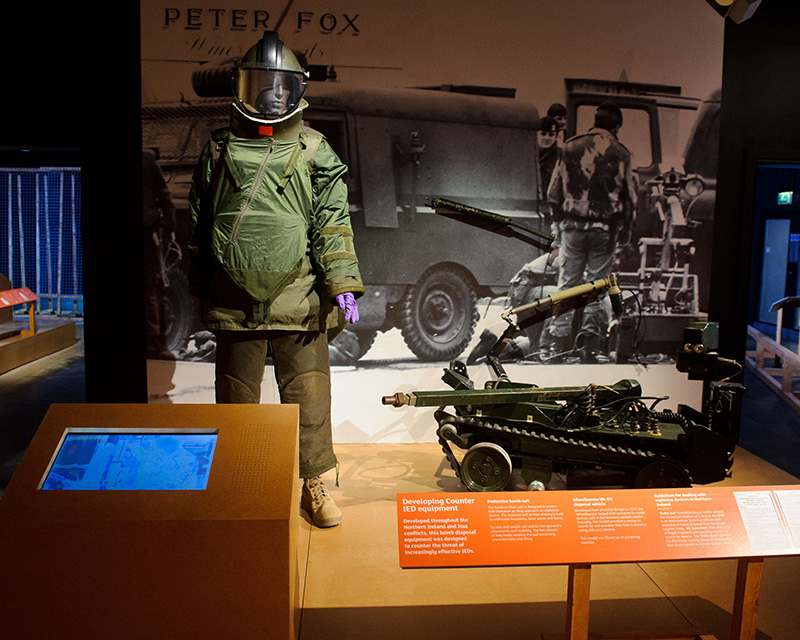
(267, 93)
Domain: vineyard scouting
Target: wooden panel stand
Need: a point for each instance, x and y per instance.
(745, 605)
(13, 297)
(580, 577)
(578, 611)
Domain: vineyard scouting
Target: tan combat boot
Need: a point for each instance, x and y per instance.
(318, 503)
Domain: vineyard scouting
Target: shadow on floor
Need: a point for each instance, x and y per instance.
(769, 428)
(26, 394)
(613, 618)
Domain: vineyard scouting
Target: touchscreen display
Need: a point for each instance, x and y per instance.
(132, 461)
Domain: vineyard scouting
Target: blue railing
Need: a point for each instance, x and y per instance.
(40, 235)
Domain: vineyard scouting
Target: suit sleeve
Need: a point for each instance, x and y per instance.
(333, 247)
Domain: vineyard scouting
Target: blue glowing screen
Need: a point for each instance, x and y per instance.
(132, 461)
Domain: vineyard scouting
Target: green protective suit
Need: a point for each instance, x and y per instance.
(271, 248)
(272, 245)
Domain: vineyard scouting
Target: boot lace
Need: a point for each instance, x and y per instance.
(318, 490)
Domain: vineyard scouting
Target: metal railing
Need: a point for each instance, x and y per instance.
(40, 240)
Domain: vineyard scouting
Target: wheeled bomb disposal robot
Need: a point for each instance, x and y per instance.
(602, 434)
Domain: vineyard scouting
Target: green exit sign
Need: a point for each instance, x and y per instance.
(785, 197)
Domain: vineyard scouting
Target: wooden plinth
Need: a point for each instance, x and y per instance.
(215, 563)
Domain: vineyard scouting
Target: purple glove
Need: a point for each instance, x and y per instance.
(347, 301)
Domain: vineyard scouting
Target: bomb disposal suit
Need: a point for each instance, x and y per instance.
(272, 246)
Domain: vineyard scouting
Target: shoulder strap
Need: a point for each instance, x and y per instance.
(219, 140)
(308, 142)
(312, 141)
(219, 149)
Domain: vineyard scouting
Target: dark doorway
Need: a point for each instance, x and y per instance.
(776, 249)
(770, 426)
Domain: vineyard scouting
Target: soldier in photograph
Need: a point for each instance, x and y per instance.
(159, 229)
(558, 112)
(549, 153)
(593, 200)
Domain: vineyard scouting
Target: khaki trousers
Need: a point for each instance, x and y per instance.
(303, 374)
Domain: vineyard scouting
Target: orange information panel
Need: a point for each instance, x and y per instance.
(571, 527)
(11, 297)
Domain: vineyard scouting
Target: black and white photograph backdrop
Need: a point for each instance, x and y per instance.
(436, 108)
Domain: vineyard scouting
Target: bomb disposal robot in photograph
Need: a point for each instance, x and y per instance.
(674, 142)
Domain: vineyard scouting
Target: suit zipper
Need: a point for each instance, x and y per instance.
(259, 174)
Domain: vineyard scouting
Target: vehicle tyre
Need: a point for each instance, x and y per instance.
(350, 346)
(439, 314)
(365, 341)
(177, 311)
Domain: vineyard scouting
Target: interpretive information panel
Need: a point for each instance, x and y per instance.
(569, 527)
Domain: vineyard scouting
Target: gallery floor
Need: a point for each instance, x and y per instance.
(354, 588)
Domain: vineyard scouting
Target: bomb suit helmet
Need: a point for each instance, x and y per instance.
(268, 82)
